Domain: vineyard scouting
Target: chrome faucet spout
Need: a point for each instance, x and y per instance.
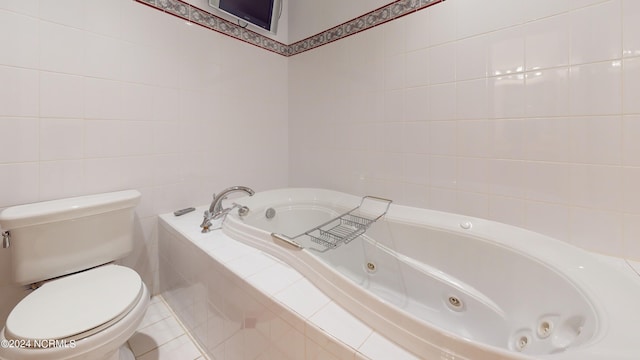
(216, 211)
(216, 204)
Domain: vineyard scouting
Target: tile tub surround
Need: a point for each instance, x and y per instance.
(240, 303)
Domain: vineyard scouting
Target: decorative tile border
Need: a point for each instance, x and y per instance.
(208, 20)
(374, 18)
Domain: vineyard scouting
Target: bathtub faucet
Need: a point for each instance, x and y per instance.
(216, 212)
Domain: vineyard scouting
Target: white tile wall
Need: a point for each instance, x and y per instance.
(596, 89)
(19, 93)
(22, 146)
(547, 42)
(52, 130)
(590, 43)
(547, 92)
(530, 115)
(520, 112)
(101, 96)
(21, 49)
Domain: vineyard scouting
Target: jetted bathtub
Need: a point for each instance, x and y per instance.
(447, 286)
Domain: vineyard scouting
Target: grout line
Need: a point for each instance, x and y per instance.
(203, 354)
(158, 320)
(631, 266)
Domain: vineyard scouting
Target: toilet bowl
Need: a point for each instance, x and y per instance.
(83, 306)
(88, 315)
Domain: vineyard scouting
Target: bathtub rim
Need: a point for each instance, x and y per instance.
(573, 265)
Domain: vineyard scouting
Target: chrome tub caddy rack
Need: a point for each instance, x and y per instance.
(341, 229)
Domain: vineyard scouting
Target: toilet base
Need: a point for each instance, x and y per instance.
(125, 353)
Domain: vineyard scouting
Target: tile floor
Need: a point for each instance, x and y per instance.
(161, 337)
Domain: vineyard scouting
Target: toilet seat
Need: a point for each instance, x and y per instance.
(75, 306)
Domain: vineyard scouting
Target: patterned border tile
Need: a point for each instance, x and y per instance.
(208, 20)
(376, 17)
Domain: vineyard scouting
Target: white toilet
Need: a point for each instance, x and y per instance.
(84, 306)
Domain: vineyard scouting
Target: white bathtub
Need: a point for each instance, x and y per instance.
(446, 286)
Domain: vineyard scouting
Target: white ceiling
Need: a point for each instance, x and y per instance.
(309, 17)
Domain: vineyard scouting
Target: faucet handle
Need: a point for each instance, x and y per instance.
(206, 217)
(206, 222)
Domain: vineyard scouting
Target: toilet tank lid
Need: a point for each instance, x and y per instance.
(64, 209)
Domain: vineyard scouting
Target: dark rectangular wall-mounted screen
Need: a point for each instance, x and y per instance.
(257, 12)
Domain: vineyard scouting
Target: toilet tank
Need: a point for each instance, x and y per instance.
(59, 237)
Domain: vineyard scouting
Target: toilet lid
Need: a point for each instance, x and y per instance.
(70, 306)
